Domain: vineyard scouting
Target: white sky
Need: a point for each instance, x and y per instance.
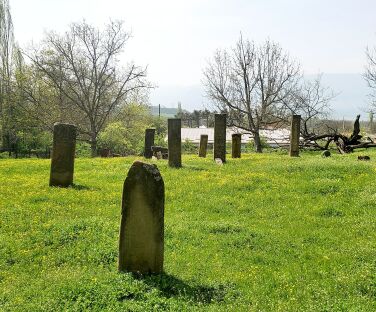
(175, 38)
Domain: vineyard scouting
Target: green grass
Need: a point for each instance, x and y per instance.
(264, 233)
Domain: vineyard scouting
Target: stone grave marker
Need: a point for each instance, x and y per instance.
(220, 137)
(63, 153)
(236, 145)
(294, 136)
(203, 145)
(141, 239)
(149, 142)
(174, 142)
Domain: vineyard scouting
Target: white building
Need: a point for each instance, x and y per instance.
(274, 138)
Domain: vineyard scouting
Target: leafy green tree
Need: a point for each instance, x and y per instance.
(7, 49)
(82, 66)
(125, 133)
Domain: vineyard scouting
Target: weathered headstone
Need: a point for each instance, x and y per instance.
(236, 145)
(174, 142)
(63, 153)
(149, 142)
(294, 136)
(141, 239)
(220, 137)
(104, 152)
(203, 145)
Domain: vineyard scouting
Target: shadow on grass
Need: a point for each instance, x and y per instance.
(171, 286)
(79, 187)
(194, 168)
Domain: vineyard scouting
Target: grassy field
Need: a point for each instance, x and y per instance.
(264, 233)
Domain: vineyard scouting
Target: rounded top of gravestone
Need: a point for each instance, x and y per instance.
(139, 168)
(63, 124)
(325, 153)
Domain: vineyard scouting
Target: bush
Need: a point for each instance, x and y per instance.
(83, 149)
(251, 144)
(189, 147)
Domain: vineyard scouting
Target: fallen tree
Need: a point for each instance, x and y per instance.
(344, 143)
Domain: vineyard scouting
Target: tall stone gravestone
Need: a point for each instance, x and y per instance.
(174, 142)
(63, 153)
(203, 145)
(236, 145)
(220, 137)
(149, 142)
(294, 136)
(141, 240)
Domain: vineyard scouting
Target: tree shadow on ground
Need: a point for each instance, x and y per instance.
(171, 286)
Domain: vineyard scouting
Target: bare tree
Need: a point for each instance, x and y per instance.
(83, 67)
(251, 83)
(370, 74)
(311, 100)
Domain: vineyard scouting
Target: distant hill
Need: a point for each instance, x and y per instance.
(165, 111)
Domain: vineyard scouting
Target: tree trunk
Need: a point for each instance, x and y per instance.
(93, 146)
(257, 142)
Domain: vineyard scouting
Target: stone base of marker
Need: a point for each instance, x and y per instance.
(236, 145)
(163, 151)
(203, 145)
(218, 161)
(63, 153)
(141, 241)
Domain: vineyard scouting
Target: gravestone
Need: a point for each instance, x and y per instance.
(149, 142)
(203, 145)
(104, 152)
(236, 145)
(294, 136)
(220, 137)
(141, 239)
(174, 142)
(63, 153)
(325, 154)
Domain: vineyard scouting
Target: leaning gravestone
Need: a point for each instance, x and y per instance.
(220, 137)
(174, 142)
(236, 145)
(149, 142)
(294, 136)
(141, 238)
(63, 152)
(203, 145)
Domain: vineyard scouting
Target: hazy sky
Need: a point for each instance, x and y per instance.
(175, 38)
